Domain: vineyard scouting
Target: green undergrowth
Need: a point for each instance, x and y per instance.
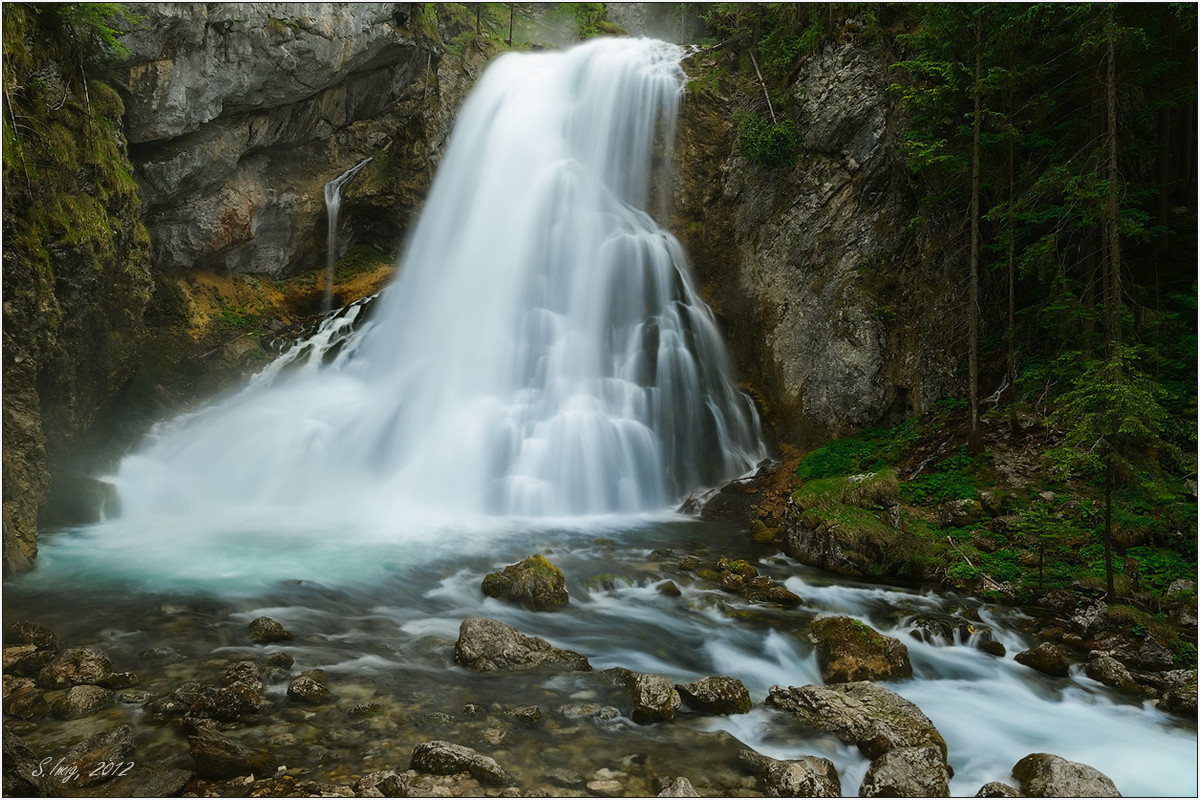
(966, 523)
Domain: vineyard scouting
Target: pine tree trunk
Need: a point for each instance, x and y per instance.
(974, 439)
(1113, 301)
(1108, 493)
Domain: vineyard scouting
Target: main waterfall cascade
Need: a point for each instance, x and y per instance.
(542, 351)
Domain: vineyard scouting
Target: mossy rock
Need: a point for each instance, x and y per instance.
(850, 650)
(534, 583)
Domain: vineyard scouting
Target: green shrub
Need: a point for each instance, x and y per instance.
(769, 144)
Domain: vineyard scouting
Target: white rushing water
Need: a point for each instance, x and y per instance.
(333, 208)
(542, 352)
(541, 377)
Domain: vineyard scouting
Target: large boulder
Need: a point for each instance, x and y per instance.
(218, 757)
(864, 714)
(82, 701)
(1047, 658)
(907, 772)
(534, 583)
(654, 698)
(849, 650)
(487, 645)
(716, 694)
(1046, 775)
(447, 758)
(75, 666)
(116, 745)
(806, 776)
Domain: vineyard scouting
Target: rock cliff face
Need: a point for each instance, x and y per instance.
(835, 318)
(239, 113)
(76, 265)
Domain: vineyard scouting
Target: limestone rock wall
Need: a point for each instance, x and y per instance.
(834, 310)
(238, 114)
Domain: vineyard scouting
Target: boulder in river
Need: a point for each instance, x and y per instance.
(716, 694)
(806, 776)
(680, 787)
(907, 772)
(487, 645)
(1046, 775)
(264, 630)
(309, 687)
(116, 745)
(997, 789)
(850, 650)
(654, 698)
(218, 757)
(75, 666)
(1046, 658)
(534, 583)
(863, 713)
(82, 701)
(386, 783)
(447, 758)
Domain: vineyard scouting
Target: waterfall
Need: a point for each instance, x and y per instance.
(333, 206)
(541, 352)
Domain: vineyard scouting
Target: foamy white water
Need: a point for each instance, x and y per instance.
(542, 351)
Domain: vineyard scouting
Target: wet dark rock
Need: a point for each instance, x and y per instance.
(218, 757)
(1181, 701)
(1104, 668)
(527, 715)
(997, 789)
(22, 632)
(75, 666)
(146, 781)
(244, 672)
(387, 783)
(534, 583)
(1046, 658)
(26, 660)
(21, 775)
(264, 630)
(23, 700)
(716, 695)
(564, 778)
(281, 659)
(447, 758)
(367, 708)
(669, 589)
(82, 701)
(985, 640)
(939, 629)
(741, 578)
(177, 702)
(680, 787)
(1145, 653)
(117, 744)
(1046, 775)
(486, 645)
(309, 687)
(907, 772)
(593, 710)
(654, 698)
(863, 713)
(118, 680)
(850, 650)
(806, 776)
(230, 703)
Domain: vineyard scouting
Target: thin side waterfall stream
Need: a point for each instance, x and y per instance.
(541, 377)
(333, 207)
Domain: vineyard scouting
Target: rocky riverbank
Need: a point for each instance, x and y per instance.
(512, 714)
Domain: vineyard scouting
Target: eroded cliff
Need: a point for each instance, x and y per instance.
(834, 311)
